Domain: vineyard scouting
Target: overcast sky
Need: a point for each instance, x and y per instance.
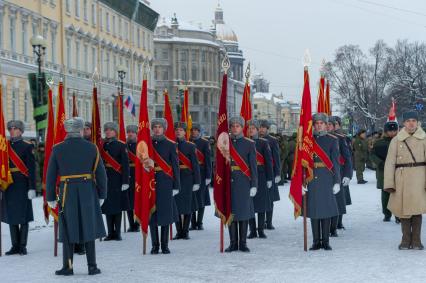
(274, 34)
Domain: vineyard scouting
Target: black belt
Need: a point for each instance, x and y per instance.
(415, 164)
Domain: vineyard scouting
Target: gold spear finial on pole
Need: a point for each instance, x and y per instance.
(247, 73)
(96, 77)
(226, 64)
(146, 68)
(306, 59)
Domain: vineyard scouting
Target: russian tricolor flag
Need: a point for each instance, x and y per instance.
(130, 105)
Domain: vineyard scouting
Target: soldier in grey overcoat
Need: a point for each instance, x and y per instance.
(265, 176)
(82, 190)
(321, 202)
(243, 184)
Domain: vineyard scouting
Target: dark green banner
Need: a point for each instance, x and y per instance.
(39, 100)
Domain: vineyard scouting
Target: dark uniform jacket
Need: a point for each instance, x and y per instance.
(275, 149)
(166, 211)
(76, 156)
(261, 200)
(379, 153)
(117, 200)
(321, 200)
(16, 207)
(186, 200)
(203, 195)
(131, 147)
(241, 202)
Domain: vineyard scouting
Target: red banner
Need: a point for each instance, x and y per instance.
(121, 128)
(327, 103)
(5, 176)
(392, 111)
(48, 150)
(185, 115)
(303, 162)
(167, 114)
(222, 176)
(145, 194)
(96, 121)
(245, 111)
(321, 98)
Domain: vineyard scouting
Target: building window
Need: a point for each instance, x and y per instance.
(128, 71)
(107, 21)
(194, 56)
(15, 94)
(94, 59)
(119, 27)
(195, 116)
(204, 74)
(107, 65)
(255, 106)
(126, 30)
(113, 25)
(68, 6)
(24, 38)
(77, 55)
(165, 54)
(206, 99)
(138, 37)
(86, 58)
(203, 56)
(53, 47)
(149, 42)
(12, 35)
(144, 40)
(196, 98)
(93, 14)
(184, 55)
(87, 110)
(1, 30)
(194, 74)
(69, 53)
(101, 22)
(184, 75)
(165, 75)
(85, 10)
(103, 71)
(77, 8)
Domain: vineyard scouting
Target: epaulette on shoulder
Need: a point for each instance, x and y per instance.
(340, 135)
(274, 138)
(28, 142)
(263, 139)
(331, 135)
(58, 144)
(249, 139)
(172, 141)
(122, 142)
(191, 142)
(205, 139)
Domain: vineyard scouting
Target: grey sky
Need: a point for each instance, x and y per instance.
(273, 34)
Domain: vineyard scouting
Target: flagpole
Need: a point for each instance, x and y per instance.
(1, 208)
(221, 236)
(55, 233)
(305, 225)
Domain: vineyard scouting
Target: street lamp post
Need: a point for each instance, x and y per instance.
(39, 49)
(121, 70)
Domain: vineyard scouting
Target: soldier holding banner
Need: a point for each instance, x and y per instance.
(243, 184)
(16, 202)
(261, 200)
(132, 131)
(204, 160)
(167, 185)
(189, 181)
(114, 154)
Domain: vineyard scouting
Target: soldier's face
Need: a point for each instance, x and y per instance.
(391, 134)
(131, 136)
(263, 131)
(14, 132)
(236, 129)
(180, 133)
(110, 133)
(158, 130)
(410, 125)
(87, 132)
(195, 133)
(363, 135)
(320, 126)
(330, 126)
(253, 131)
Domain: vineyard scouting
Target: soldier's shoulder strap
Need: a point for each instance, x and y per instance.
(339, 135)
(263, 139)
(28, 142)
(122, 142)
(205, 139)
(250, 140)
(172, 141)
(331, 135)
(59, 143)
(272, 137)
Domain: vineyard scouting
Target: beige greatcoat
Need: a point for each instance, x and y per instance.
(409, 183)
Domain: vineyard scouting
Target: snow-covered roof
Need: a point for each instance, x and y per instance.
(186, 40)
(189, 26)
(263, 95)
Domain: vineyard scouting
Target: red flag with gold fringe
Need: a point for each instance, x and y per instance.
(96, 121)
(327, 102)
(185, 114)
(245, 111)
(321, 98)
(5, 176)
(167, 114)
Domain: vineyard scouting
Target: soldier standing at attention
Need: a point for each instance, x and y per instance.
(16, 202)
(87, 131)
(82, 190)
(116, 160)
(360, 155)
(243, 184)
(132, 131)
(405, 178)
(167, 185)
(204, 160)
(276, 162)
(320, 192)
(265, 175)
(186, 201)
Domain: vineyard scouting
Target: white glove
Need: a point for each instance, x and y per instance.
(52, 204)
(124, 187)
(336, 188)
(345, 181)
(31, 194)
(195, 187)
(253, 191)
(208, 181)
(269, 184)
(304, 190)
(175, 192)
(277, 179)
(101, 201)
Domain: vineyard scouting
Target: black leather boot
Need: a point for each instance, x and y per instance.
(333, 227)
(179, 229)
(261, 225)
(316, 234)
(200, 219)
(233, 237)
(79, 249)
(243, 226)
(110, 227)
(67, 260)
(193, 221)
(154, 239)
(165, 239)
(253, 231)
(23, 238)
(14, 237)
(91, 258)
(117, 226)
(185, 226)
(132, 223)
(325, 231)
(340, 223)
(269, 225)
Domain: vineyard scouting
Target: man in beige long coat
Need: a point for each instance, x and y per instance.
(405, 179)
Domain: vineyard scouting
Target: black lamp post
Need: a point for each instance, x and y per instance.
(121, 70)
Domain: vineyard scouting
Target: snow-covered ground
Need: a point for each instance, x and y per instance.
(365, 252)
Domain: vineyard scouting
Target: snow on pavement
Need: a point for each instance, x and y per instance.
(365, 252)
